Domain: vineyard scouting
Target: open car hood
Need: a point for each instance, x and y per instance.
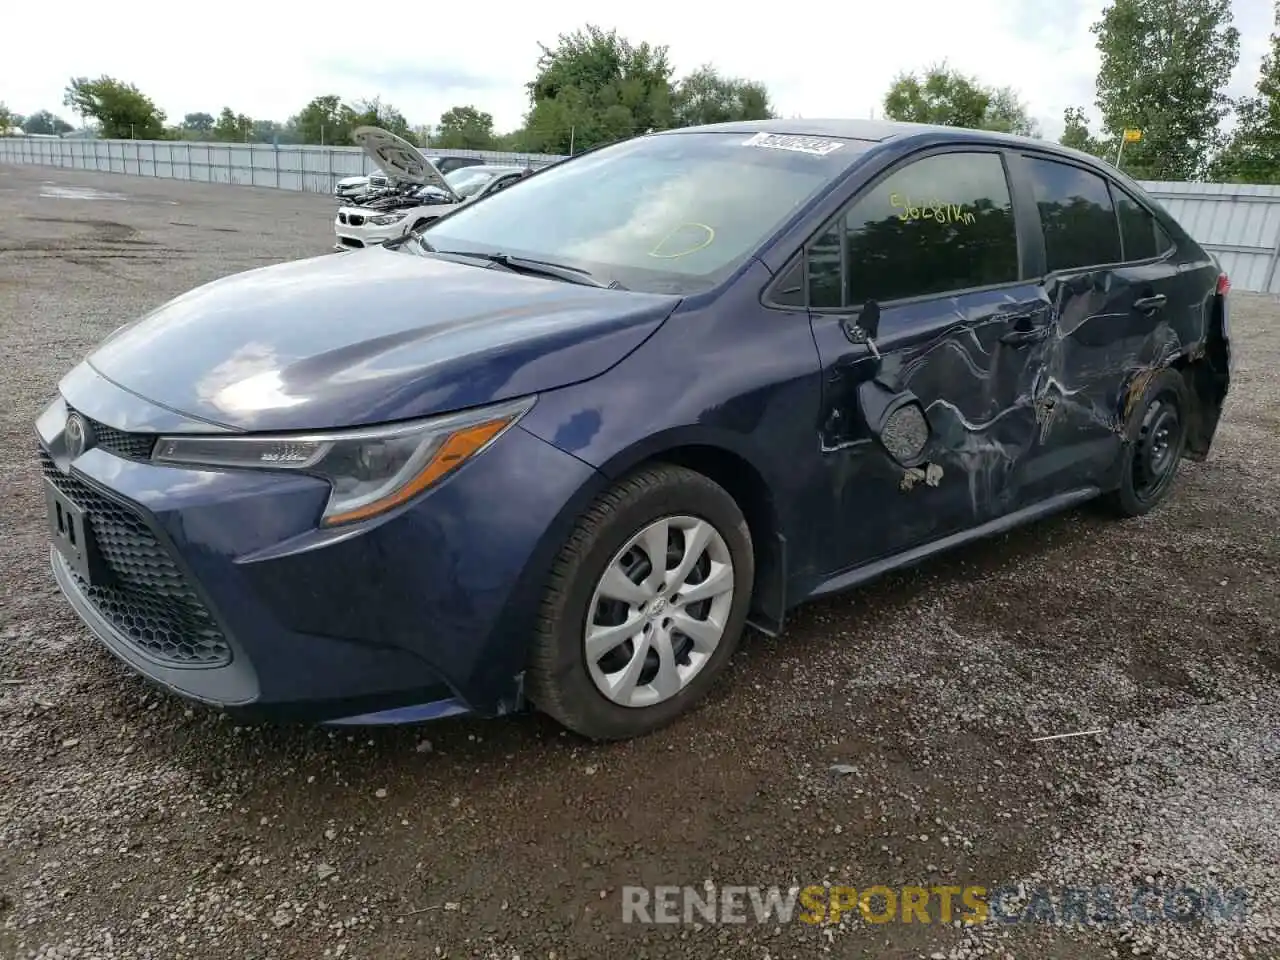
(399, 158)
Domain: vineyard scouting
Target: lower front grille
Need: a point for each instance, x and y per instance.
(147, 598)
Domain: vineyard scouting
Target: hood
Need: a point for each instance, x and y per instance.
(368, 337)
(399, 158)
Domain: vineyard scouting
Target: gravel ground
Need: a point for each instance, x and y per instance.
(884, 739)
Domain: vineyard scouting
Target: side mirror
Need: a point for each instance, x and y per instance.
(897, 421)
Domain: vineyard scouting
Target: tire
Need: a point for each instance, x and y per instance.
(1155, 440)
(562, 680)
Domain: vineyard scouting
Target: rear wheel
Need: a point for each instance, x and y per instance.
(1156, 438)
(646, 604)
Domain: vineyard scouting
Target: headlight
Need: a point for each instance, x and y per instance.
(371, 470)
(387, 218)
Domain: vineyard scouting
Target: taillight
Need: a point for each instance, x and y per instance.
(1224, 284)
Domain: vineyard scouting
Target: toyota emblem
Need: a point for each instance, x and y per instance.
(77, 435)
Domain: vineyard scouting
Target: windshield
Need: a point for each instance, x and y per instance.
(468, 180)
(674, 213)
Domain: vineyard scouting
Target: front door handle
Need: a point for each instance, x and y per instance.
(1024, 329)
(1150, 304)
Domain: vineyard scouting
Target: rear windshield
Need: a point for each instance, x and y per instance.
(672, 213)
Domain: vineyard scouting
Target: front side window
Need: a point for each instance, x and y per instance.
(1076, 214)
(671, 213)
(938, 225)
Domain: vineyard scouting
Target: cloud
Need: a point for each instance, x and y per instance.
(830, 60)
(409, 77)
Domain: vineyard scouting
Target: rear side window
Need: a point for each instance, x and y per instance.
(938, 225)
(1139, 231)
(1076, 214)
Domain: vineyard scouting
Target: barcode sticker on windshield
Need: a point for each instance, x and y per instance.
(818, 146)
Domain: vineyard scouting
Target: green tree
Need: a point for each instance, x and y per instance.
(464, 128)
(269, 131)
(121, 109)
(594, 87)
(198, 122)
(44, 122)
(324, 120)
(1252, 152)
(1075, 132)
(704, 96)
(232, 127)
(1165, 67)
(375, 113)
(7, 118)
(946, 97)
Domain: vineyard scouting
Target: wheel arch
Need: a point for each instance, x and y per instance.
(734, 471)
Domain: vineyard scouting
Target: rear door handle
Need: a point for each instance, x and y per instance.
(1024, 329)
(1150, 304)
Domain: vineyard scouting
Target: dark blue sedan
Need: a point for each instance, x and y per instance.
(563, 446)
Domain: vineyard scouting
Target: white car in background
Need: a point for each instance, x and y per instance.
(352, 188)
(424, 193)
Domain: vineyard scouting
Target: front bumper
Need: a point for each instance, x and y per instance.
(367, 235)
(222, 588)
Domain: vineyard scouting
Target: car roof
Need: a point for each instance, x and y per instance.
(874, 131)
(883, 131)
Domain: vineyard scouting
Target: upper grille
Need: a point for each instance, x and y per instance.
(147, 598)
(355, 219)
(133, 446)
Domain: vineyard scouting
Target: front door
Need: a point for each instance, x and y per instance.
(962, 334)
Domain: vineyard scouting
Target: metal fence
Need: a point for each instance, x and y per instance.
(288, 167)
(1238, 223)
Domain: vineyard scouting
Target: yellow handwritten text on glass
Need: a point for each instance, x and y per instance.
(929, 210)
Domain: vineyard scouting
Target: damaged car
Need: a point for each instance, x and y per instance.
(358, 188)
(424, 195)
(559, 449)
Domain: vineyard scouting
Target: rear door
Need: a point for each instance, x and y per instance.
(935, 242)
(1113, 279)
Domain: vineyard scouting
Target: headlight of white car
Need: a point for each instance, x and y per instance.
(370, 471)
(387, 218)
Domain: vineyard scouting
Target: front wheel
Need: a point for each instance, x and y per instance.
(1156, 438)
(645, 606)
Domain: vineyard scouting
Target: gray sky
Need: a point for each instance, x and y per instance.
(833, 59)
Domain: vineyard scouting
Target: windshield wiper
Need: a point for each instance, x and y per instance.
(541, 268)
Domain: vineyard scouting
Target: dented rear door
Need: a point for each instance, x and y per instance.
(1117, 295)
